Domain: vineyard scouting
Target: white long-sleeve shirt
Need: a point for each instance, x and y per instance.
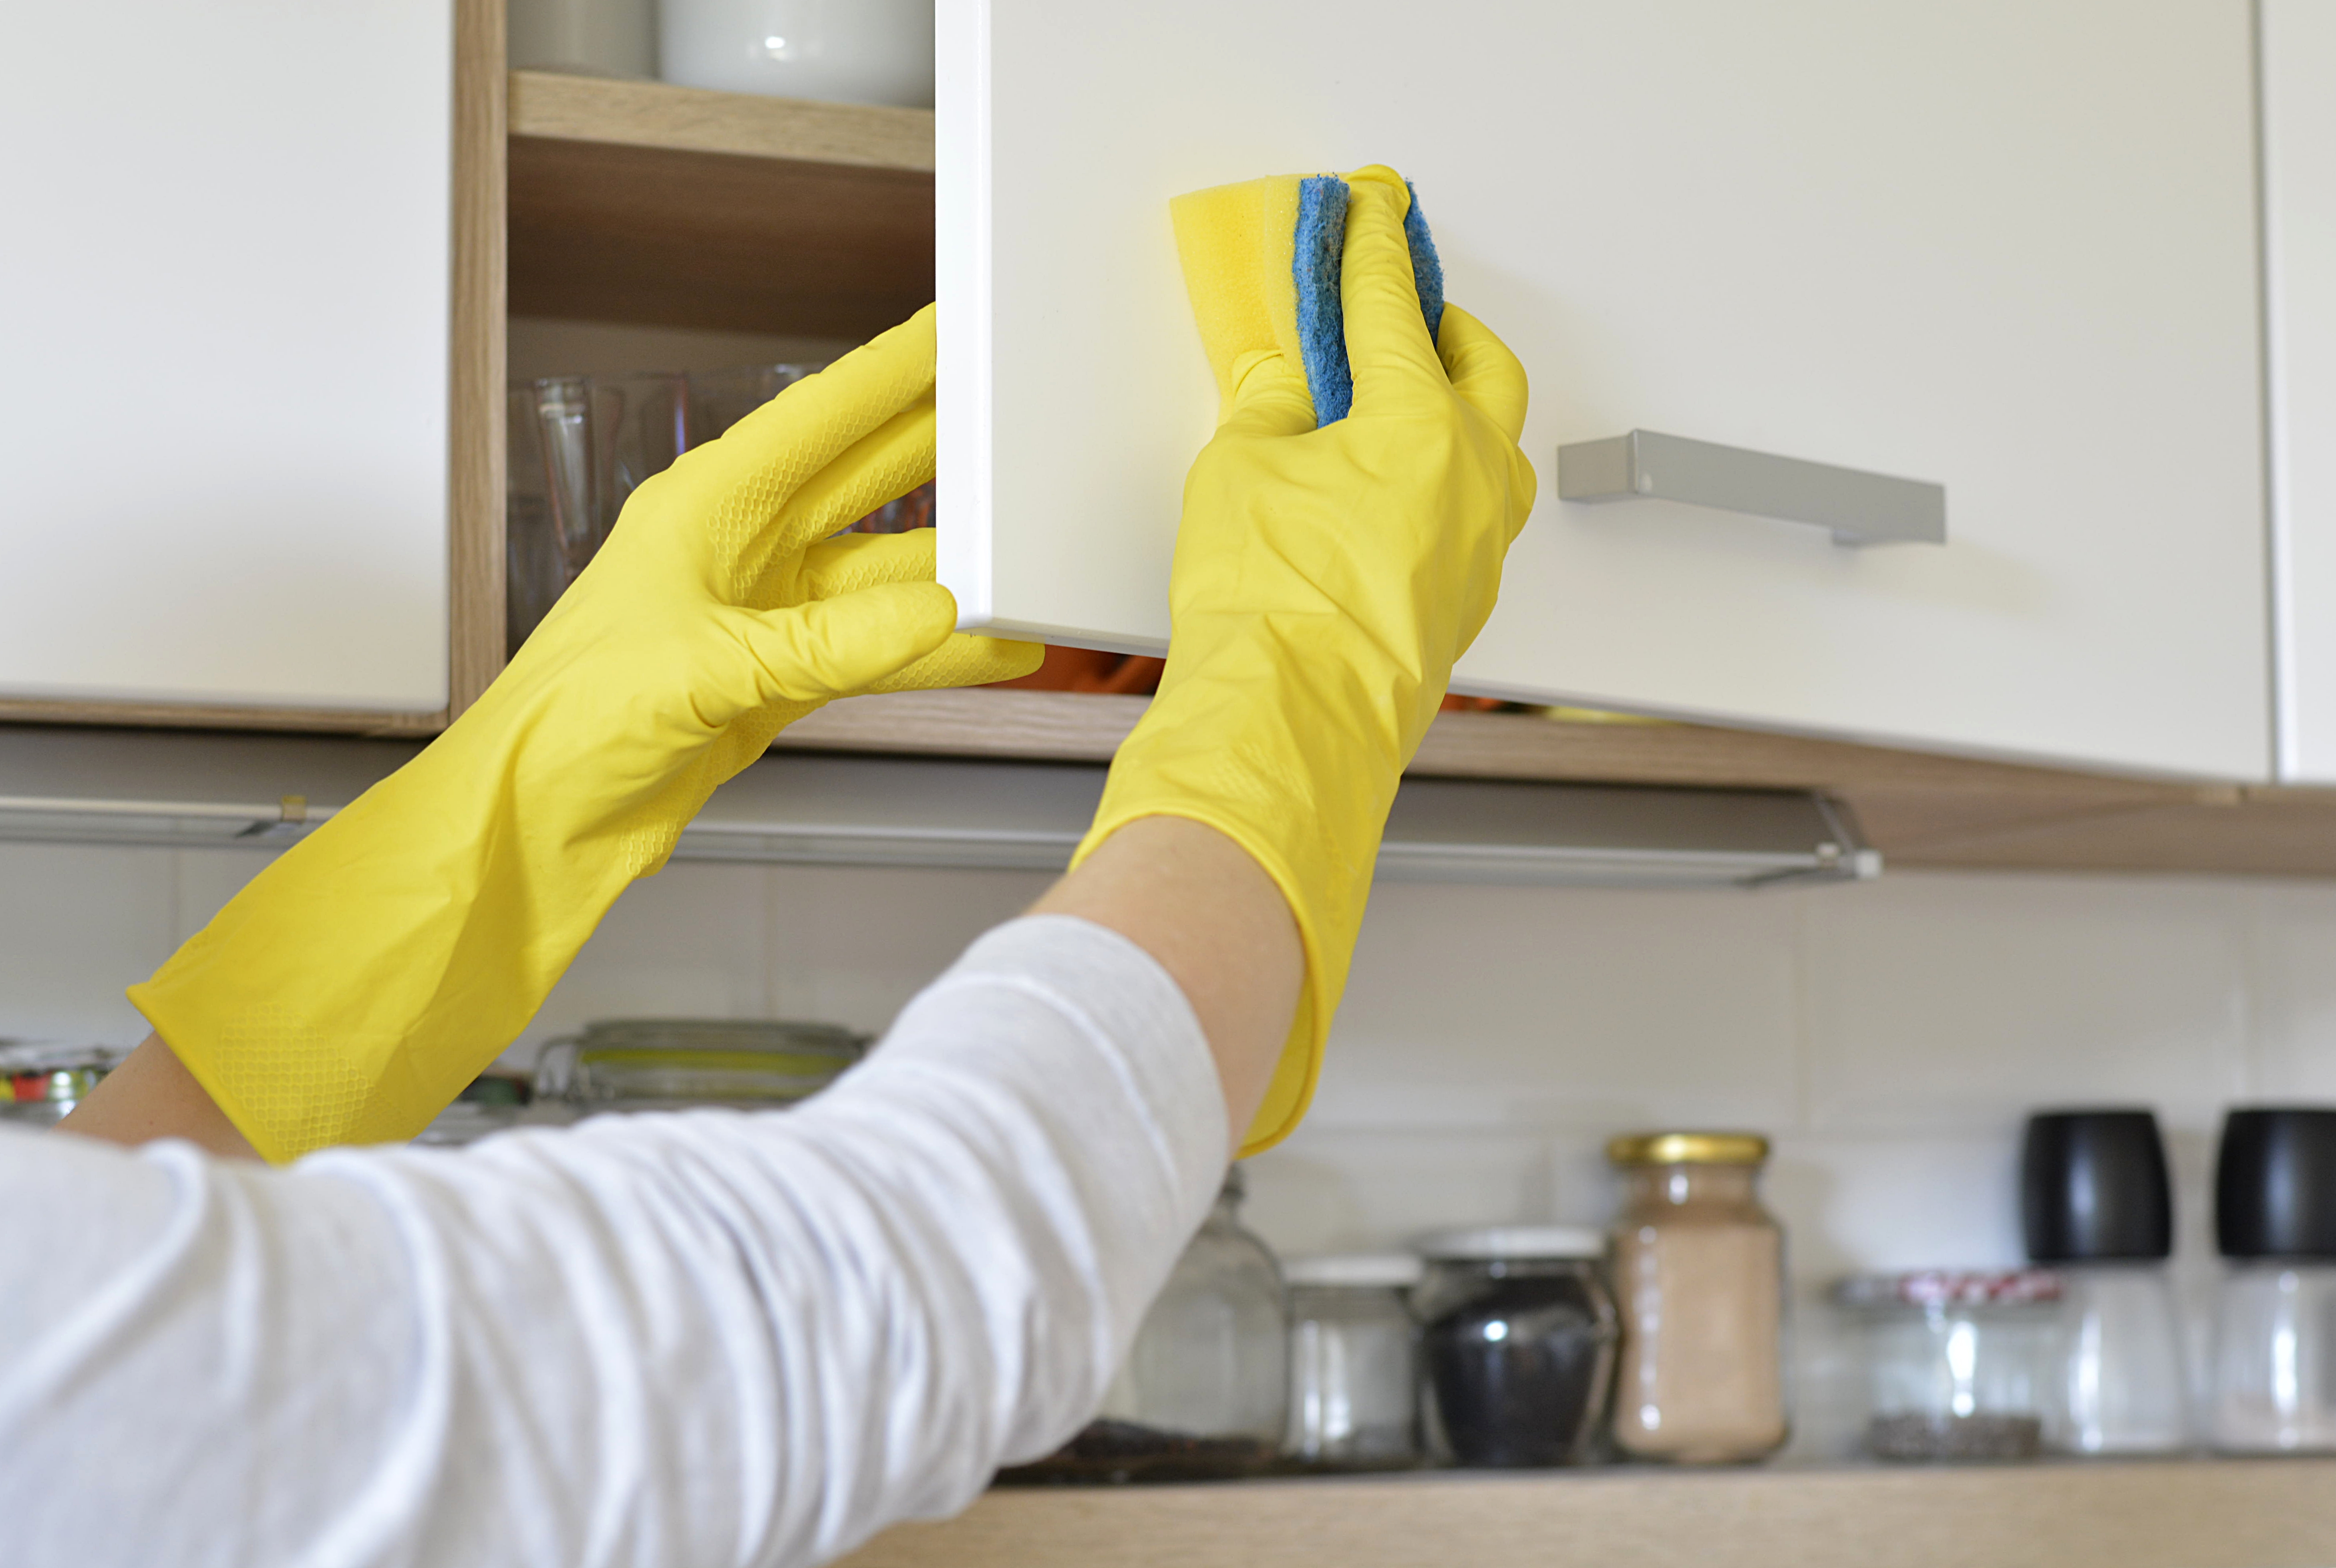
(708, 1337)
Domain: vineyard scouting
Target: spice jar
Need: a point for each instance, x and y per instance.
(1699, 1271)
(2098, 1209)
(2274, 1384)
(1205, 1391)
(1354, 1361)
(1518, 1342)
(40, 1083)
(1959, 1366)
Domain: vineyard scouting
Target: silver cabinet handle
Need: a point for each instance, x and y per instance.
(1860, 508)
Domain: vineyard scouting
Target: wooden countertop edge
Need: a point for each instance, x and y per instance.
(655, 114)
(2176, 1513)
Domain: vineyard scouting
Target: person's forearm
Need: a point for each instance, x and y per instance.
(1197, 903)
(153, 1096)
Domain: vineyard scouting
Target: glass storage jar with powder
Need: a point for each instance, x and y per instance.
(1518, 1342)
(1354, 1361)
(1698, 1276)
(1204, 1391)
(1961, 1366)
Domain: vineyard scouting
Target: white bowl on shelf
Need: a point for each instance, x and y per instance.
(843, 51)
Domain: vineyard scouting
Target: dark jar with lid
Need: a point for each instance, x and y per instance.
(1518, 1344)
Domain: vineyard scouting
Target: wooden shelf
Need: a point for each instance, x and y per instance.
(636, 201)
(1918, 809)
(2179, 1514)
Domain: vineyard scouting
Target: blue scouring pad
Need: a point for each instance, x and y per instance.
(1319, 242)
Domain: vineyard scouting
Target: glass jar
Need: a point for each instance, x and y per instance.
(2097, 1207)
(2124, 1380)
(1518, 1342)
(40, 1083)
(1354, 1362)
(1204, 1392)
(493, 1102)
(1698, 1272)
(674, 1064)
(1958, 1366)
(2274, 1388)
(2275, 1358)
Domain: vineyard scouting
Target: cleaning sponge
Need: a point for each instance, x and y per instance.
(1262, 263)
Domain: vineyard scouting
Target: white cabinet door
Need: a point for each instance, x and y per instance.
(2004, 244)
(2299, 108)
(223, 298)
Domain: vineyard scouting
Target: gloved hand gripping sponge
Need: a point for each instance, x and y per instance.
(1262, 264)
(1340, 545)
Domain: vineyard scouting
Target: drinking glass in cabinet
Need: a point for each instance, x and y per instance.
(1519, 1344)
(2274, 1368)
(579, 446)
(584, 37)
(1205, 1391)
(1354, 1361)
(1959, 1366)
(1699, 1274)
(719, 399)
(847, 51)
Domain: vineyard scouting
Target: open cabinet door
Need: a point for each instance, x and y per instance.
(2007, 246)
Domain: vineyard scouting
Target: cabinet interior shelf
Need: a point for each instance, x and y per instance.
(637, 201)
(2176, 1514)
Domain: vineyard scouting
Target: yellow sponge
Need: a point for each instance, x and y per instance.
(1236, 243)
(1263, 262)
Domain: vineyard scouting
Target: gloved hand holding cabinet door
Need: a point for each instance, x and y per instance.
(1326, 578)
(354, 987)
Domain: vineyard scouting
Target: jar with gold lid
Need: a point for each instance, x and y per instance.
(1699, 1277)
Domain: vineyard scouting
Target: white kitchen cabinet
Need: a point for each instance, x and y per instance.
(225, 296)
(2299, 141)
(2005, 247)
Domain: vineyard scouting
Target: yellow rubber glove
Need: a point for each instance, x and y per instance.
(1325, 582)
(356, 985)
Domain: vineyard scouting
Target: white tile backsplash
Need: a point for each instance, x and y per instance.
(78, 925)
(207, 879)
(1889, 1036)
(692, 942)
(1575, 1007)
(1957, 1003)
(2292, 992)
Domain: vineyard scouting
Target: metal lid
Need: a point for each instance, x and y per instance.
(41, 1080)
(1358, 1270)
(644, 1064)
(1688, 1149)
(1952, 1288)
(1521, 1241)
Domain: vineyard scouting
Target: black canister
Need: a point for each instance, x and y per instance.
(1518, 1344)
(2276, 1182)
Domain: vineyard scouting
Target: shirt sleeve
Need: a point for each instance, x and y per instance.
(699, 1338)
